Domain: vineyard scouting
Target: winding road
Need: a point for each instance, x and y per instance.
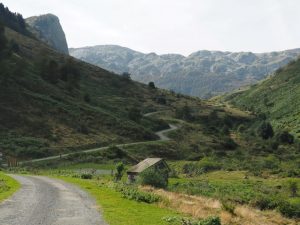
(46, 201)
(161, 134)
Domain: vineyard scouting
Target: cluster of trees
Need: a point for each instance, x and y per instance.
(135, 114)
(3, 40)
(265, 131)
(52, 72)
(184, 113)
(12, 20)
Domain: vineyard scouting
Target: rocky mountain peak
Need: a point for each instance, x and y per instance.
(48, 28)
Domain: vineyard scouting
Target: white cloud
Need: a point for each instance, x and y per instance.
(174, 26)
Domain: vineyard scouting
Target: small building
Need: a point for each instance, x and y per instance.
(156, 163)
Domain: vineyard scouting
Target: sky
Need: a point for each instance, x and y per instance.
(174, 26)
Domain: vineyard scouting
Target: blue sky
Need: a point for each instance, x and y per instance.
(174, 26)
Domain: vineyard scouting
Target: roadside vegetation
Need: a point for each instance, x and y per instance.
(8, 186)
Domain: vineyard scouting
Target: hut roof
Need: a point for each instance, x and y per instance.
(143, 165)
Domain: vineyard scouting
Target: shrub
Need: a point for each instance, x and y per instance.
(228, 206)
(151, 85)
(120, 170)
(265, 130)
(87, 98)
(289, 210)
(184, 113)
(210, 221)
(229, 143)
(155, 178)
(135, 114)
(86, 176)
(133, 193)
(241, 128)
(285, 137)
(126, 76)
(264, 203)
(161, 99)
(214, 220)
(293, 187)
(203, 166)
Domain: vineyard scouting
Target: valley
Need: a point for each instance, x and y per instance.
(73, 127)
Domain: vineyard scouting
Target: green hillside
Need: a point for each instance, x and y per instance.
(278, 97)
(52, 103)
(50, 100)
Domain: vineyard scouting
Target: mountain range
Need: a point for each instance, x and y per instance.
(203, 73)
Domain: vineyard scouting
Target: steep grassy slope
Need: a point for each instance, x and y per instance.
(84, 106)
(278, 97)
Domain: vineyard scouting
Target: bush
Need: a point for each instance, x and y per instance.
(265, 130)
(151, 85)
(132, 193)
(229, 143)
(210, 221)
(87, 98)
(264, 203)
(228, 206)
(86, 176)
(214, 220)
(120, 171)
(293, 187)
(155, 178)
(289, 210)
(285, 137)
(135, 114)
(184, 113)
(203, 166)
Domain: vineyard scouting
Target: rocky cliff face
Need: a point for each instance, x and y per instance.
(48, 29)
(203, 73)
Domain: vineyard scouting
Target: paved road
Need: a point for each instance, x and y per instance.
(46, 201)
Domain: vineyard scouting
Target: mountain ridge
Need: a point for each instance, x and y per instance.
(203, 73)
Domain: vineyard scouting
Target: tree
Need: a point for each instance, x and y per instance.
(50, 71)
(3, 41)
(293, 186)
(184, 113)
(87, 98)
(161, 99)
(265, 130)
(135, 114)
(119, 171)
(151, 85)
(70, 74)
(126, 76)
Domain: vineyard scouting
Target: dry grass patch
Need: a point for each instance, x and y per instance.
(203, 207)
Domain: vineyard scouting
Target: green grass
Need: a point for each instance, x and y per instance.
(233, 185)
(8, 186)
(109, 166)
(120, 211)
(277, 97)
